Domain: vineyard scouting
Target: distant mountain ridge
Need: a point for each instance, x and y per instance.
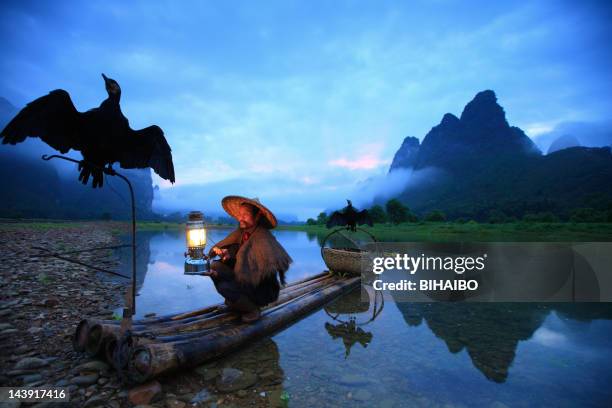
(492, 166)
(563, 142)
(406, 156)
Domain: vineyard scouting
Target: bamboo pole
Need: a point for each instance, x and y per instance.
(150, 360)
(100, 333)
(221, 308)
(213, 307)
(102, 338)
(81, 335)
(79, 338)
(206, 327)
(207, 309)
(197, 312)
(228, 315)
(283, 294)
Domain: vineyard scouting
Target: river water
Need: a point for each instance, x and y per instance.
(397, 354)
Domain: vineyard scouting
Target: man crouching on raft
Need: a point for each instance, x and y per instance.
(250, 259)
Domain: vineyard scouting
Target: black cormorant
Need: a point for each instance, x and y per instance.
(349, 217)
(102, 134)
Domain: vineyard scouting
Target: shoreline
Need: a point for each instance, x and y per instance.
(407, 232)
(43, 299)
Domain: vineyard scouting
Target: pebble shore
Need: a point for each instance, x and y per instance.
(43, 298)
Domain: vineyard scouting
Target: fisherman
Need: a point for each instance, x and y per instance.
(251, 257)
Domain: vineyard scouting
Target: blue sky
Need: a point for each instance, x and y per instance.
(299, 103)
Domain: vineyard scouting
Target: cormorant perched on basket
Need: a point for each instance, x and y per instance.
(349, 217)
(102, 134)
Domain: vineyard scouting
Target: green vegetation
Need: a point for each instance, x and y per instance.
(591, 215)
(40, 225)
(396, 222)
(398, 212)
(44, 278)
(519, 231)
(116, 227)
(322, 218)
(533, 227)
(159, 226)
(394, 212)
(435, 216)
(378, 214)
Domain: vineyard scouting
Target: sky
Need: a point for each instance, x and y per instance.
(304, 103)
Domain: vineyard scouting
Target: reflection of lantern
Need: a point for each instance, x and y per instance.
(196, 242)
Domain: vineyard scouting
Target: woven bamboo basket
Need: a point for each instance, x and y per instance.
(343, 260)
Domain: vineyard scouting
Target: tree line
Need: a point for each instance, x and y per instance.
(395, 212)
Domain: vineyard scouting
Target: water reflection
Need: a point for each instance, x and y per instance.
(143, 257)
(490, 332)
(344, 310)
(352, 353)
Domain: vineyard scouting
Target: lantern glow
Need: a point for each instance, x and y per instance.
(196, 242)
(196, 238)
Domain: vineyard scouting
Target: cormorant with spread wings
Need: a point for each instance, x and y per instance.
(349, 217)
(102, 134)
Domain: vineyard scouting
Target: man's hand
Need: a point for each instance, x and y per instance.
(223, 252)
(212, 273)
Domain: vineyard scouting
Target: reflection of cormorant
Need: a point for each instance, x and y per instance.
(350, 334)
(349, 330)
(102, 134)
(349, 217)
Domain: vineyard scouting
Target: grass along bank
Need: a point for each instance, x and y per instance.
(473, 231)
(420, 231)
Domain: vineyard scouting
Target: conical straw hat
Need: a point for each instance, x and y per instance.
(231, 204)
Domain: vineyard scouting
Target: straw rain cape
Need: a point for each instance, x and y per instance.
(259, 257)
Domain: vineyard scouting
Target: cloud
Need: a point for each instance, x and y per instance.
(383, 187)
(364, 157)
(590, 134)
(292, 199)
(535, 130)
(366, 162)
(289, 199)
(549, 338)
(296, 103)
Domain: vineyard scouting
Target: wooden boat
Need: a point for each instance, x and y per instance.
(154, 346)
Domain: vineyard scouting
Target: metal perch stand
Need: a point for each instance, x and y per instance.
(131, 310)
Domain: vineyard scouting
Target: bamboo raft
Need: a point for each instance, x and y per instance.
(154, 346)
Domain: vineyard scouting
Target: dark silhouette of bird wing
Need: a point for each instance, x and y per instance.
(336, 218)
(363, 217)
(52, 117)
(148, 148)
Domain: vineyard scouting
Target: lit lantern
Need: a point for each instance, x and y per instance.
(196, 243)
